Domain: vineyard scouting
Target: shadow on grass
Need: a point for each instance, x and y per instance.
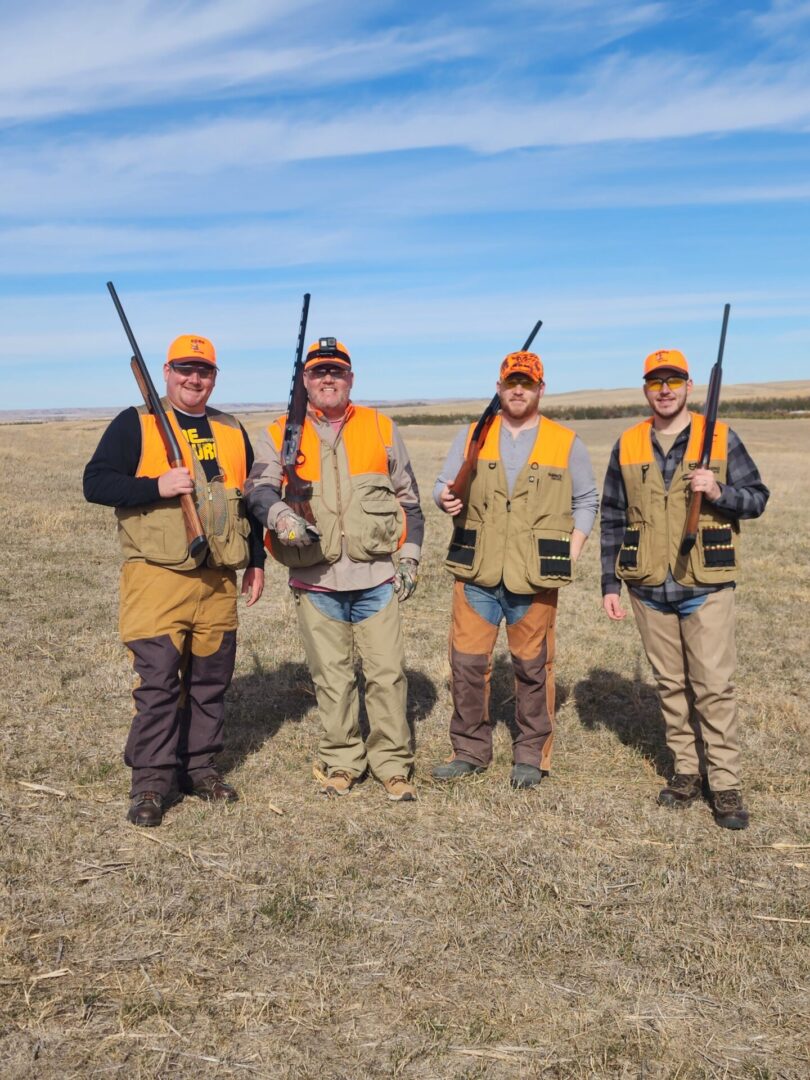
(629, 708)
(259, 703)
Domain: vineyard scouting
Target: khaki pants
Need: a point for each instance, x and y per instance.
(330, 645)
(180, 627)
(694, 660)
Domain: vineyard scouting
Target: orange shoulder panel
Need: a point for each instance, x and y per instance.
(552, 447)
(154, 459)
(635, 444)
(364, 440)
(719, 439)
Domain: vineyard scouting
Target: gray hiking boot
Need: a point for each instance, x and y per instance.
(729, 811)
(455, 769)
(682, 790)
(524, 776)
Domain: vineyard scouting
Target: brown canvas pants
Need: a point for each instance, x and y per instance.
(180, 628)
(531, 643)
(694, 660)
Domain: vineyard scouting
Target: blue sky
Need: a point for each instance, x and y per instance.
(439, 176)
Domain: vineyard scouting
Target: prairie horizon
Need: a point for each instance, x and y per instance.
(627, 395)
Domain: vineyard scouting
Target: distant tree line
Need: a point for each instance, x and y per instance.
(755, 408)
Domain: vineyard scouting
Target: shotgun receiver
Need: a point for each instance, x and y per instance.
(297, 492)
(195, 533)
(710, 412)
(460, 487)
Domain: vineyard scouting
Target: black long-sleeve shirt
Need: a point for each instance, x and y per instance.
(109, 476)
(743, 495)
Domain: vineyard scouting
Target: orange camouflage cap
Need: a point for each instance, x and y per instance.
(665, 359)
(523, 363)
(192, 347)
(327, 350)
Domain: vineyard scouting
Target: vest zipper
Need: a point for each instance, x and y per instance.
(336, 471)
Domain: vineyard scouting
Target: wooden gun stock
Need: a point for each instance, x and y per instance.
(195, 533)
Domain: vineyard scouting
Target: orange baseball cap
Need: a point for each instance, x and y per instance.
(523, 363)
(192, 347)
(665, 360)
(327, 350)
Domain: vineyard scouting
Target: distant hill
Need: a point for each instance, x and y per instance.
(796, 388)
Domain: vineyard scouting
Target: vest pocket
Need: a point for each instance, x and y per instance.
(229, 545)
(374, 524)
(549, 558)
(461, 555)
(155, 533)
(716, 550)
(633, 560)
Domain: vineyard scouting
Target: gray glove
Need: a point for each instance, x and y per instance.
(405, 579)
(293, 530)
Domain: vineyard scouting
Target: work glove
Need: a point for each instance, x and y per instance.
(293, 530)
(405, 579)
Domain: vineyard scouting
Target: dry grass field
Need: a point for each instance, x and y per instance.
(574, 931)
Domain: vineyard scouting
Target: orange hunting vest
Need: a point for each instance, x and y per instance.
(353, 500)
(156, 533)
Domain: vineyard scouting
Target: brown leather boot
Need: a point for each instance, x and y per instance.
(729, 811)
(682, 790)
(147, 809)
(212, 788)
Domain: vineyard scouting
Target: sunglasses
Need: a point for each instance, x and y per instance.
(322, 370)
(674, 382)
(520, 380)
(186, 370)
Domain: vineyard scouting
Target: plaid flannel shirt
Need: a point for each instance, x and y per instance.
(742, 496)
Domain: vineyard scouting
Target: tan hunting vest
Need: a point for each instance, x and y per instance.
(156, 533)
(524, 539)
(353, 498)
(656, 517)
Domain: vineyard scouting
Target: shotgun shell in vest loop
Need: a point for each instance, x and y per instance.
(328, 350)
(665, 360)
(192, 347)
(523, 363)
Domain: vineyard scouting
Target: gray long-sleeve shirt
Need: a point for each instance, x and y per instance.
(514, 453)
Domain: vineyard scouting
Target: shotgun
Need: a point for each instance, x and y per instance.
(460, 487)
(297, 492)
(710, 412)
(195, 533)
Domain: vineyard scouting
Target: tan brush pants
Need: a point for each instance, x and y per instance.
(694, 660)
(180, 627)
(331, 646)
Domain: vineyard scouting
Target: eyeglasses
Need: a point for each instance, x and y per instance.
(186, 370)
(674, 382)
(322, 370)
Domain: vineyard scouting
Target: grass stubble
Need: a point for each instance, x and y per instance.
(577, 930)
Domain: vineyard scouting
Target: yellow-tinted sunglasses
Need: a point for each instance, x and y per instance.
(674, 382)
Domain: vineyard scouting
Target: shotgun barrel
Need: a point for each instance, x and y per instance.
(195, 533)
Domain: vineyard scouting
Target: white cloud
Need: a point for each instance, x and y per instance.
(144, 51)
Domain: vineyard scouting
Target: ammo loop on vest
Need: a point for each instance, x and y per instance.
(628, 556)
(718, 549)
(555, 557)
(462, 546)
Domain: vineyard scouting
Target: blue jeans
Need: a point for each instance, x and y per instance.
(497, 603)
(681, 608)
(353, 605)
